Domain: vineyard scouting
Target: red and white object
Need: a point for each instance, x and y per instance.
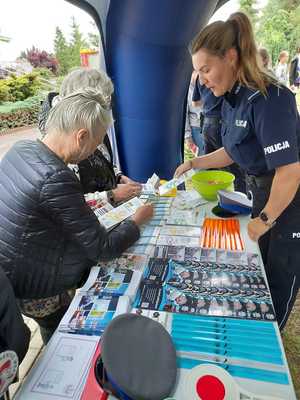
(210, 382)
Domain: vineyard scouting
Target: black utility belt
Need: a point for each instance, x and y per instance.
(260, 181)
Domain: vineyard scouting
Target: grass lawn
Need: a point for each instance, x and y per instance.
(291, 334)
(291, 343)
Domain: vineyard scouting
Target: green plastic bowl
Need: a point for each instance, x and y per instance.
(207, 183)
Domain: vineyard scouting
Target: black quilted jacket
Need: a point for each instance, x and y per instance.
(14, 334)
(49, 237)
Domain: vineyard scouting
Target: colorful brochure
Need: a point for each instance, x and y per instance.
(89, 315)
(120, 213)
(173, 183)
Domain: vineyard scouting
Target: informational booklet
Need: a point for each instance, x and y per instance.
(62, 369)
(174, 230)
(173, 183)
(194, 217)
(142, 249)
(173, 252)
(135, 262)
(90, 314)
(178, 241)
(115, 281)
(108, 291)
(145, 241)
(120, 213)
(188, 199)
(149, 231)
(182, 287)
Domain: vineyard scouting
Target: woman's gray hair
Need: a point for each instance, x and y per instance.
(85, 109)
(83, 78)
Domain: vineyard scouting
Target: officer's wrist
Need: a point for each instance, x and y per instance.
(266, 219)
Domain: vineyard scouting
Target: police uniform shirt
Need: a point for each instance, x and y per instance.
(211, 103)
(261, 133)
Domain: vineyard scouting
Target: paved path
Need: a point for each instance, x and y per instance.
(6, 141)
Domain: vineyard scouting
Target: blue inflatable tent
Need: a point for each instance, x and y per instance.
(146, 53)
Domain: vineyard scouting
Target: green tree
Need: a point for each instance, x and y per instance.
(249, 7)
(62, 52)
(76, 44)
(94, 38)
(279, 27)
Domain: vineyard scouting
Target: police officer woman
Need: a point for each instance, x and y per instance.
(261, 133)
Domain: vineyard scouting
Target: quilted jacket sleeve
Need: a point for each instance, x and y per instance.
(62, 200)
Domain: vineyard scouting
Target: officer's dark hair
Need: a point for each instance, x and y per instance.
(217, 38)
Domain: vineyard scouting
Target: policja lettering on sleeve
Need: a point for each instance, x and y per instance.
(276, 147)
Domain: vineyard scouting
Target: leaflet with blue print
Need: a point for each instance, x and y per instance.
(115, 281)
(109, 290)
(173, 183)
(194, 217)
(204, 288)
(90, 314)
(120, 213)
(188, 199)
(134, 262)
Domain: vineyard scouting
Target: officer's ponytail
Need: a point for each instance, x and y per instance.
(237, 33)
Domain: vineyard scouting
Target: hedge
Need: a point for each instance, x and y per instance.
(19, 114)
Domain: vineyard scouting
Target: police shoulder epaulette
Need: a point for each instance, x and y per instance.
(253, 96)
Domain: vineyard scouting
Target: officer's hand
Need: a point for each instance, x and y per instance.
(143, 214)
(256, 228)
(186, 166)
(125, 191)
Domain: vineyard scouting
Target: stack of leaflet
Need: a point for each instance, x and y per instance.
(150, 232)
(109, 291)
(134, 262)
(249, 351)
(172, 235)
(205, 288)
(193, 217)
(188, 199)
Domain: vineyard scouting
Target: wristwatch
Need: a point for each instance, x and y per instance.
(266, 220)
(110, 197)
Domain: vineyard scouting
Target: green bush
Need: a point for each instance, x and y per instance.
(19, 88)
(19, 114)
(44, 73)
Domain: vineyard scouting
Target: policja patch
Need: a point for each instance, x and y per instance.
(138, 359)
